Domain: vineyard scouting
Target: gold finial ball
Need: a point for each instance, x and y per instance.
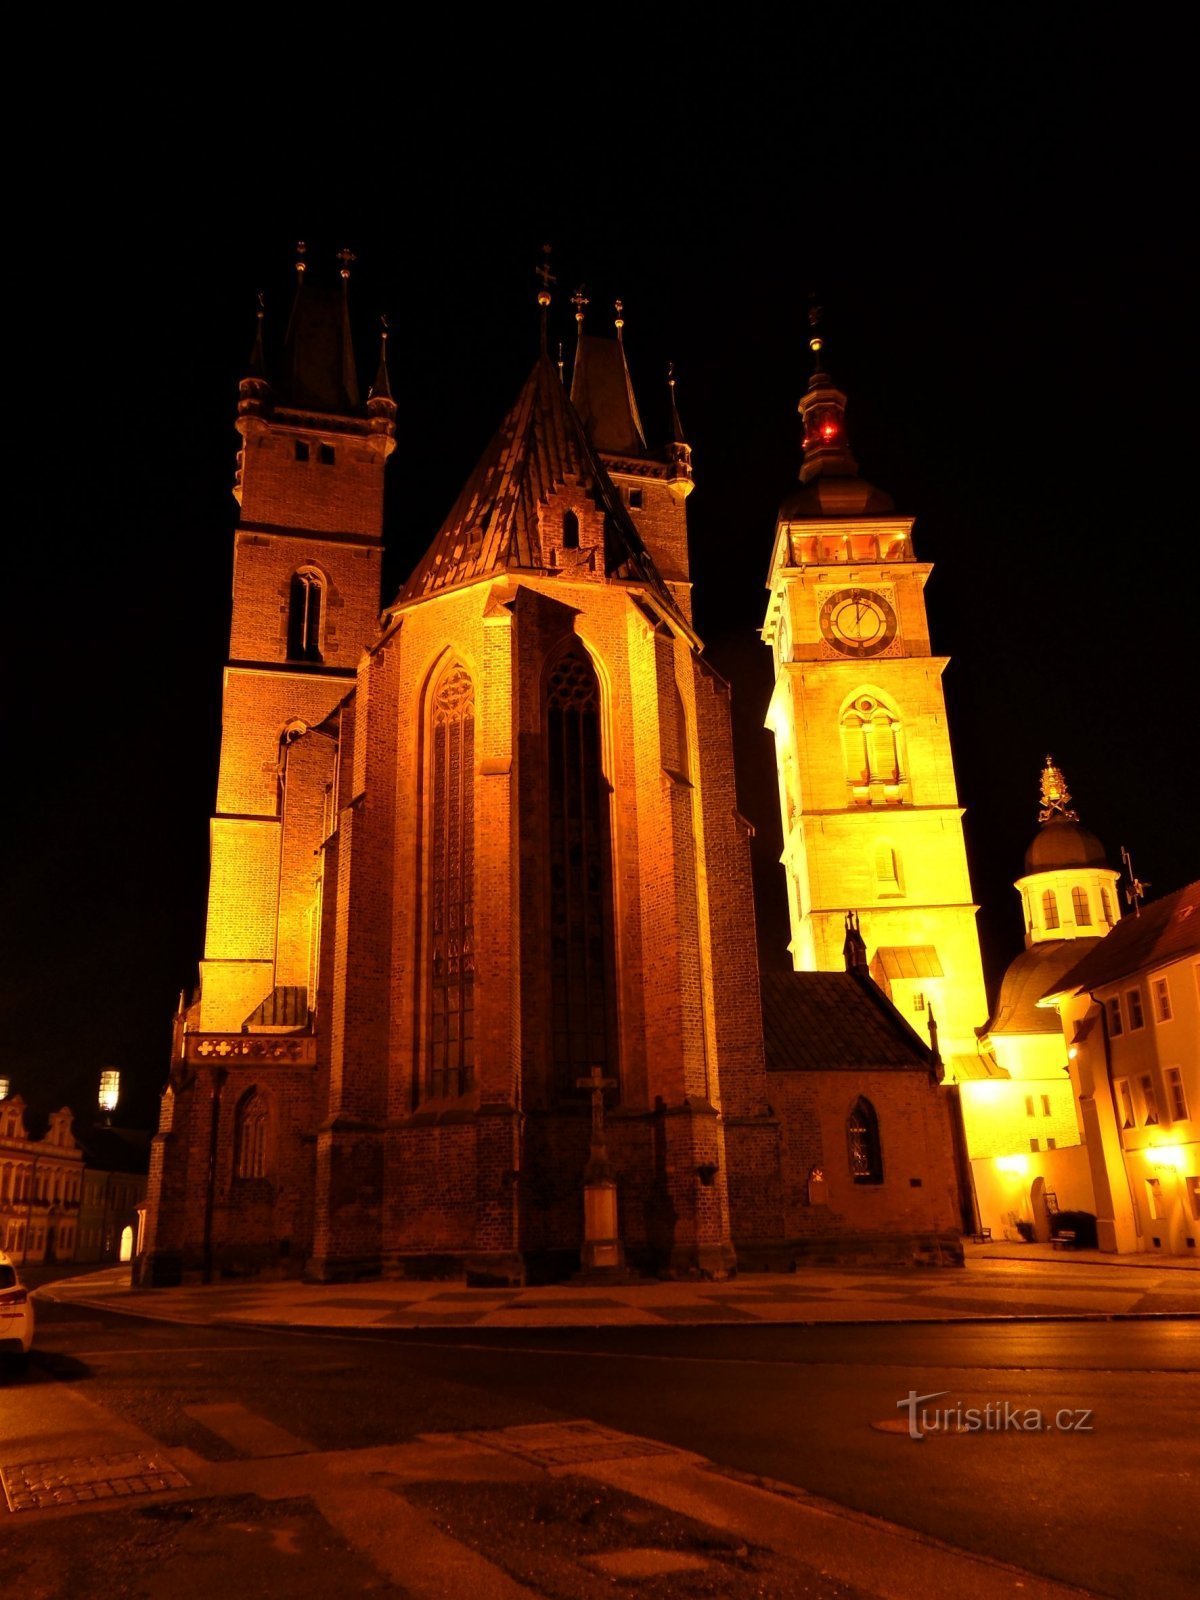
(815, 344)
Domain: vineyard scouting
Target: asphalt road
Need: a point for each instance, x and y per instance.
(1111, 1507)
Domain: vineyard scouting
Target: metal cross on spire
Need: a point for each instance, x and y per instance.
(543, 273)
(347, 257)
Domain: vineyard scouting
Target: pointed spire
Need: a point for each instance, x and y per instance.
(381, 408)
(1056, 797)
(581, 302)
(679, 450)
(258, 360)
(546, 278)
(561, 379)
(619, 324)
(823, 408)
(254, 391)
(319, 372)
(854, 947)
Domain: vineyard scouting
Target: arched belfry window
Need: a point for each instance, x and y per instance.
(1080, 907)
(580, 863)
(862, 1143)
(450, 1065)
(872, 751)
(251, 1126)
(1050, 908)
(305, 603)
(570, 531)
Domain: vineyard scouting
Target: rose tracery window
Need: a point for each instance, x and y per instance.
(581, 951)
(451, 1031)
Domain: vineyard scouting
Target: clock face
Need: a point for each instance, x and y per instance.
(858, 622)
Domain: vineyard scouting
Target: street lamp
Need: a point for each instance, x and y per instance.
(110, 1090)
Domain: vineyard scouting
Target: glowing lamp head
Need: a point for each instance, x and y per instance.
(1014, 1166)
(5, 1088)
(829, 430)
(110, 1090)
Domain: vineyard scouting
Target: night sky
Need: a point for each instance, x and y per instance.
(993, 219)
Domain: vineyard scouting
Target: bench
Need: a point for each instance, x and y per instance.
(1064, 1239)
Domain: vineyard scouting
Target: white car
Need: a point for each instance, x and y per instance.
(16, 1312)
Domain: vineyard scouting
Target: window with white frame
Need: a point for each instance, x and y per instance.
(1176, 1098)
(1133, 1004)
(1149, 1100)
(1161, 991)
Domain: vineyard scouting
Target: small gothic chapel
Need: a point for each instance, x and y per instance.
(480, 925)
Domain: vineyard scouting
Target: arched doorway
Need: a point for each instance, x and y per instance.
(1040, 1210)
(126, 1244)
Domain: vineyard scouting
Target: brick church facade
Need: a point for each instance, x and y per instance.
(467, 853)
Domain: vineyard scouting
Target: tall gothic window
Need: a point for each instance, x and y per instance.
(250, 1136)
(862, 1140)
(871, 751)
(581, 954)
(451, 1033)
(304, 616)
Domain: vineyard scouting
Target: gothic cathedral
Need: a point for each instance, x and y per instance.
(477, 862)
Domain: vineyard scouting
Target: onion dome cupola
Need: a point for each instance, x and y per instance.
(1068, 889)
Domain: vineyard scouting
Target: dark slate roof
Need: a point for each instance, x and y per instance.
(1063, 843)
(827, 497)
(822, 1021)
(319, 372)
(1166, 930)
(602, 394)
(1034, 972)
(494, 525)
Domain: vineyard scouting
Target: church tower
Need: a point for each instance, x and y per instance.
(306, 592)
(871, 818)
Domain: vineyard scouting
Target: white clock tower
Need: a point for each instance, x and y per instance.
(871, 819)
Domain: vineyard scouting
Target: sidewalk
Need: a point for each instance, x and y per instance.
(1026, 1282)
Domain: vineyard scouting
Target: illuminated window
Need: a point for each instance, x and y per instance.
(1115, 1026)
(570, 531)
(304, 615)
(871, 751)
(1149, 1099)
(450, 1067)
(1162, 1001)
(1133, 1000)
(1050, 909)
(301, 449)
(919, 1000)
(579, 858)
(250, 1136)
(1176, 1096)
(326, 455)
(1080, 907)
(862, 1141)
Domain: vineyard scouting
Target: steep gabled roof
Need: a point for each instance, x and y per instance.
(495, 524)
(835, 1021)
(1166, 930)
(602, 395)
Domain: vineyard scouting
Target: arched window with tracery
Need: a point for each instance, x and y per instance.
(872, 750)
(862, 1142)
(251, 1127)
(1050, 908)
(450, 1064)
(305, 605)
(583, 1030)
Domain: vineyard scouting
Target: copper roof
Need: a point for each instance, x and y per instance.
(835, 1021)
(1063, 842)
(495, 523)
(1025, 982)
(1166, 930)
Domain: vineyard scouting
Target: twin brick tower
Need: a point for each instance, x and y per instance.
(477, 861)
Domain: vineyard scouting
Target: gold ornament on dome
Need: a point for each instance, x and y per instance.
(1056, 797)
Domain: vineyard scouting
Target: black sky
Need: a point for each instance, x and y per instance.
(993, 215)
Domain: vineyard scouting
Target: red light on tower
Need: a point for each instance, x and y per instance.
(828, 430)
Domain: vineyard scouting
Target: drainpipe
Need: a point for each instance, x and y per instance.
(1112, 1100)
(218, 1081)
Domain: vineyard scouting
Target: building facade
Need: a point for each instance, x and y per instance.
(871, 817)
(1129, 1011)
(40, 1186)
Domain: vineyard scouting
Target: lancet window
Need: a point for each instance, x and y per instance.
(251, 1127)
(450, 1056)
(305, 604)
(862, 1141)
(580, 864)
